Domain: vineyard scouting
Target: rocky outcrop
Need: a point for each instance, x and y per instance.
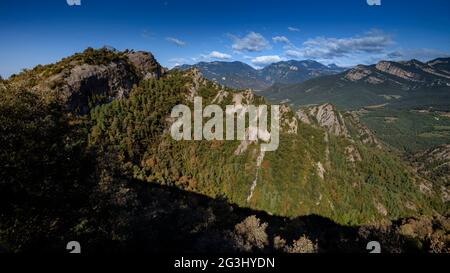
(243, 98)
(221, 95)
(303, 116)
(435, 160)
(105, 82)
(441, 153)
(320, 170)
(434, 165)
(345, 125)
(145, 64)
(92, 77)
(289, 123)
(441, 64)
(325, 116)
(194, 85)
(395, 70)
(352, 154)
(357, 73)
(407, 74)
(363, 133)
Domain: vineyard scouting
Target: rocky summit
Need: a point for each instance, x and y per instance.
(84, 79)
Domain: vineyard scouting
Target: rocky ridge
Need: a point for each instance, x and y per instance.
(91, 77)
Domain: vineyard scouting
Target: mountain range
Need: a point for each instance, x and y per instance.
(242, 76)
(407, 84)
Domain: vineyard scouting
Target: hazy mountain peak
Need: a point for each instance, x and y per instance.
(240, 75)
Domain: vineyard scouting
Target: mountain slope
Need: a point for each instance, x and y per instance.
(411, 84)
(91, 77)
(291, 72)
(435, 163)
(242, 76)
(115, 178)
(314, 171)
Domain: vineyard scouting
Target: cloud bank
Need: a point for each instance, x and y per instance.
(281, 39)
(252, 42)
(374, 42)
(265, 60)
(218, 55)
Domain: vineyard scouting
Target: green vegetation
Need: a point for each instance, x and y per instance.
(407, 130)
(289, 183)
(43, 170)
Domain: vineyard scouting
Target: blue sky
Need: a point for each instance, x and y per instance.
(346, 32)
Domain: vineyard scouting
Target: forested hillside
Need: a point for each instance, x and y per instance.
(111, 175)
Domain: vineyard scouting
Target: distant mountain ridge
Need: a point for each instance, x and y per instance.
(410, 84)
(242, 76)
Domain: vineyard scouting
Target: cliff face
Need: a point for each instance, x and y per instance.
(409, 74)
(108, 82)
(145, 64)
(92, 77)
(325, 116)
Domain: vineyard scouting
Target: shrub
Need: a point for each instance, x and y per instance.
(250, 234)
(302, 245)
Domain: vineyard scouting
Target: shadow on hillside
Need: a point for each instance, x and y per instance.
(169, 220)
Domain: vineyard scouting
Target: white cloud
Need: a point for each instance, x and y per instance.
(374, 42)
(252, 42)
(211, 56)
(293, 29)
(219, 55)
(292, 53)
(281, 39)
(265, 60)
(176, 41)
